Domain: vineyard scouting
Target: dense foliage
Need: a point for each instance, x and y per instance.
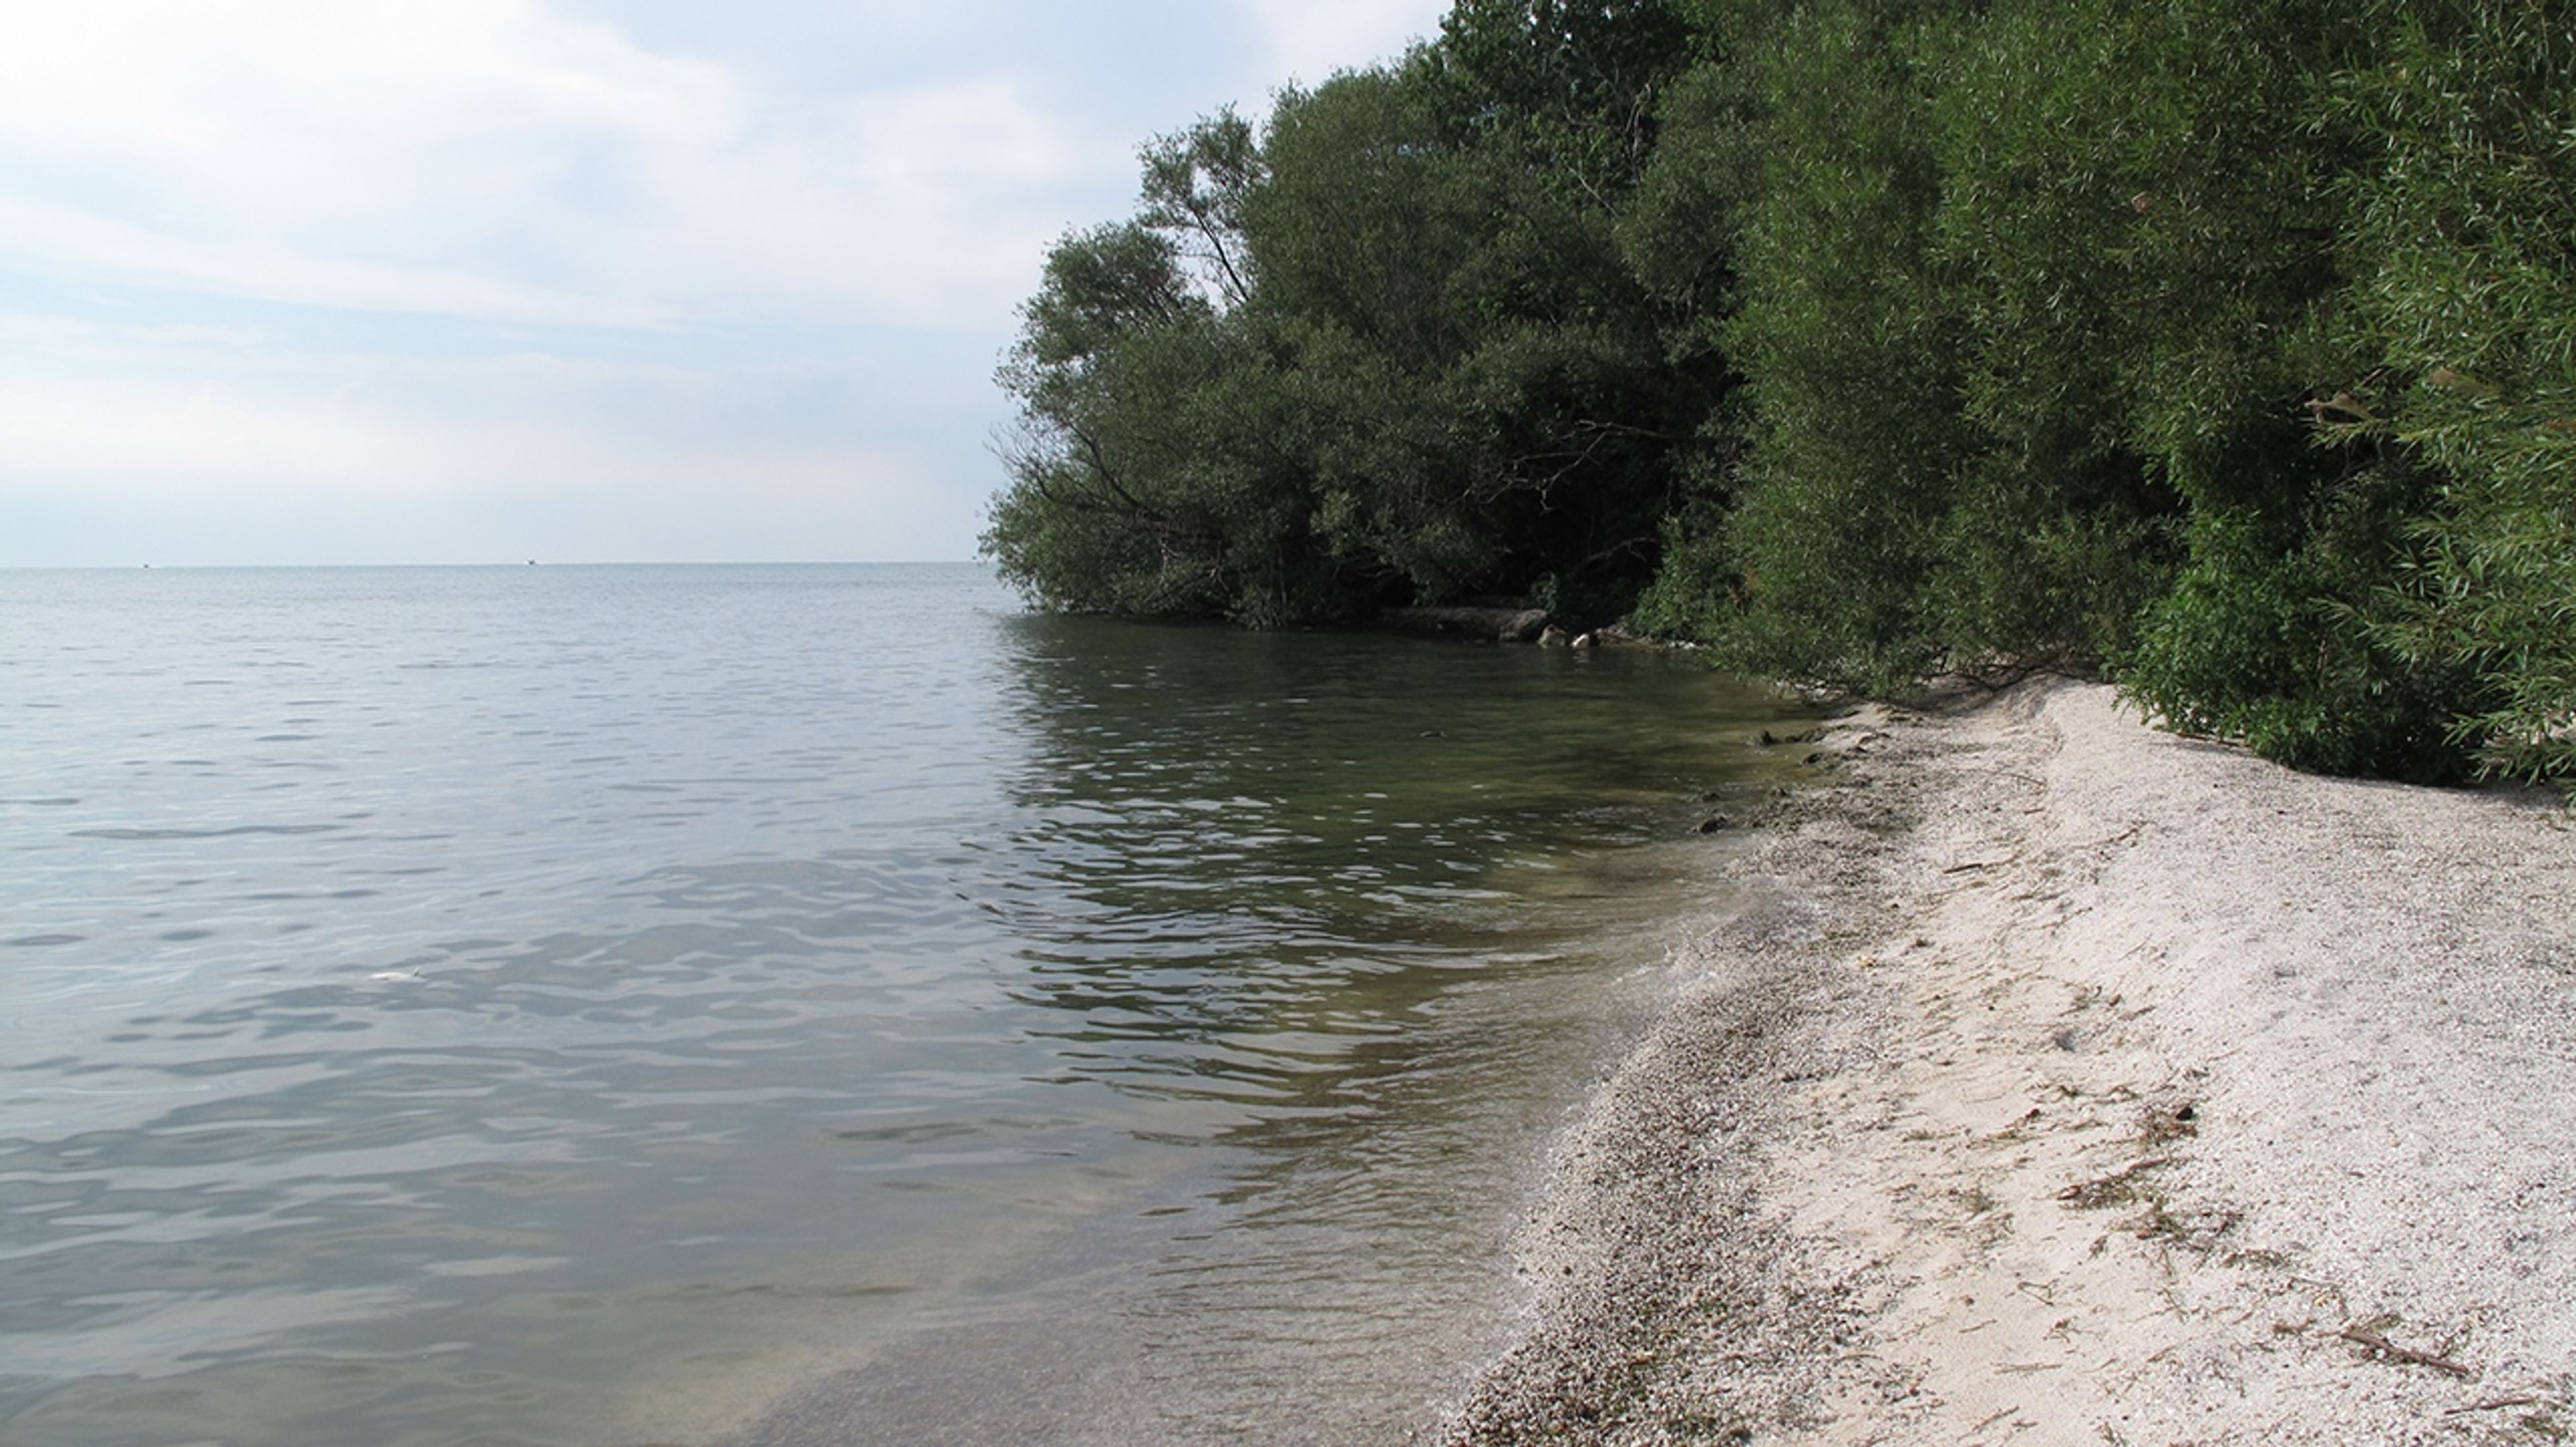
(2225, 346)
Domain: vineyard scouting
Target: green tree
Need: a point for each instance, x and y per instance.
(2461, 237)
(1390, 354)
(1851, 359)
(2222, 343)
(2293, 528)
(1147, 475)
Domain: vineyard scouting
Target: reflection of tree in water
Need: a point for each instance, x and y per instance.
(1263, 869)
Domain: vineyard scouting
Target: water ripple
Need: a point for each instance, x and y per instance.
(667, 983)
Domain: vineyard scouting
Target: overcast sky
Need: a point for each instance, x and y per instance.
(378, 281)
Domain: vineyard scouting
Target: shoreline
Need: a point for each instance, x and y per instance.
(2054, 1080)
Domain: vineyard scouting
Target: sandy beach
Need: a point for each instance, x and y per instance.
(2047, 1079)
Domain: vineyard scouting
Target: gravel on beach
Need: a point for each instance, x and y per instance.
(2051, 1080)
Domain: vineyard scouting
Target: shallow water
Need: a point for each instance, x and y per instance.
(607, 1005)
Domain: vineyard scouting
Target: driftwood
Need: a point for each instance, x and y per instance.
(1507, 625)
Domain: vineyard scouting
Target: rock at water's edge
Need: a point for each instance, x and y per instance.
(1506, 625)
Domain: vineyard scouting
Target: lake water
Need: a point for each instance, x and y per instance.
(600, 1006)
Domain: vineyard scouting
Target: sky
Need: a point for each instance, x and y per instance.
(383, 281)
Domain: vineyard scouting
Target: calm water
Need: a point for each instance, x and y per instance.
(605, 1006)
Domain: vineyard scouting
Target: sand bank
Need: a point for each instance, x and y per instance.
(2052, 1080)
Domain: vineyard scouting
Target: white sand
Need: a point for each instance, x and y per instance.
(2059, 1081)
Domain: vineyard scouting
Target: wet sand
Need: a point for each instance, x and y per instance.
(2054, 1080)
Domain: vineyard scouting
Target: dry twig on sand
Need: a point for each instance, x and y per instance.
(2496, 1404)
(2114, 1189)
(2394, 1352)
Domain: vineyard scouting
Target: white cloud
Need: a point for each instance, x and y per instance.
(86, 245)
(482, 158)
(738, 307)
(1310, 39)
(197, 474)
(122, 434)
